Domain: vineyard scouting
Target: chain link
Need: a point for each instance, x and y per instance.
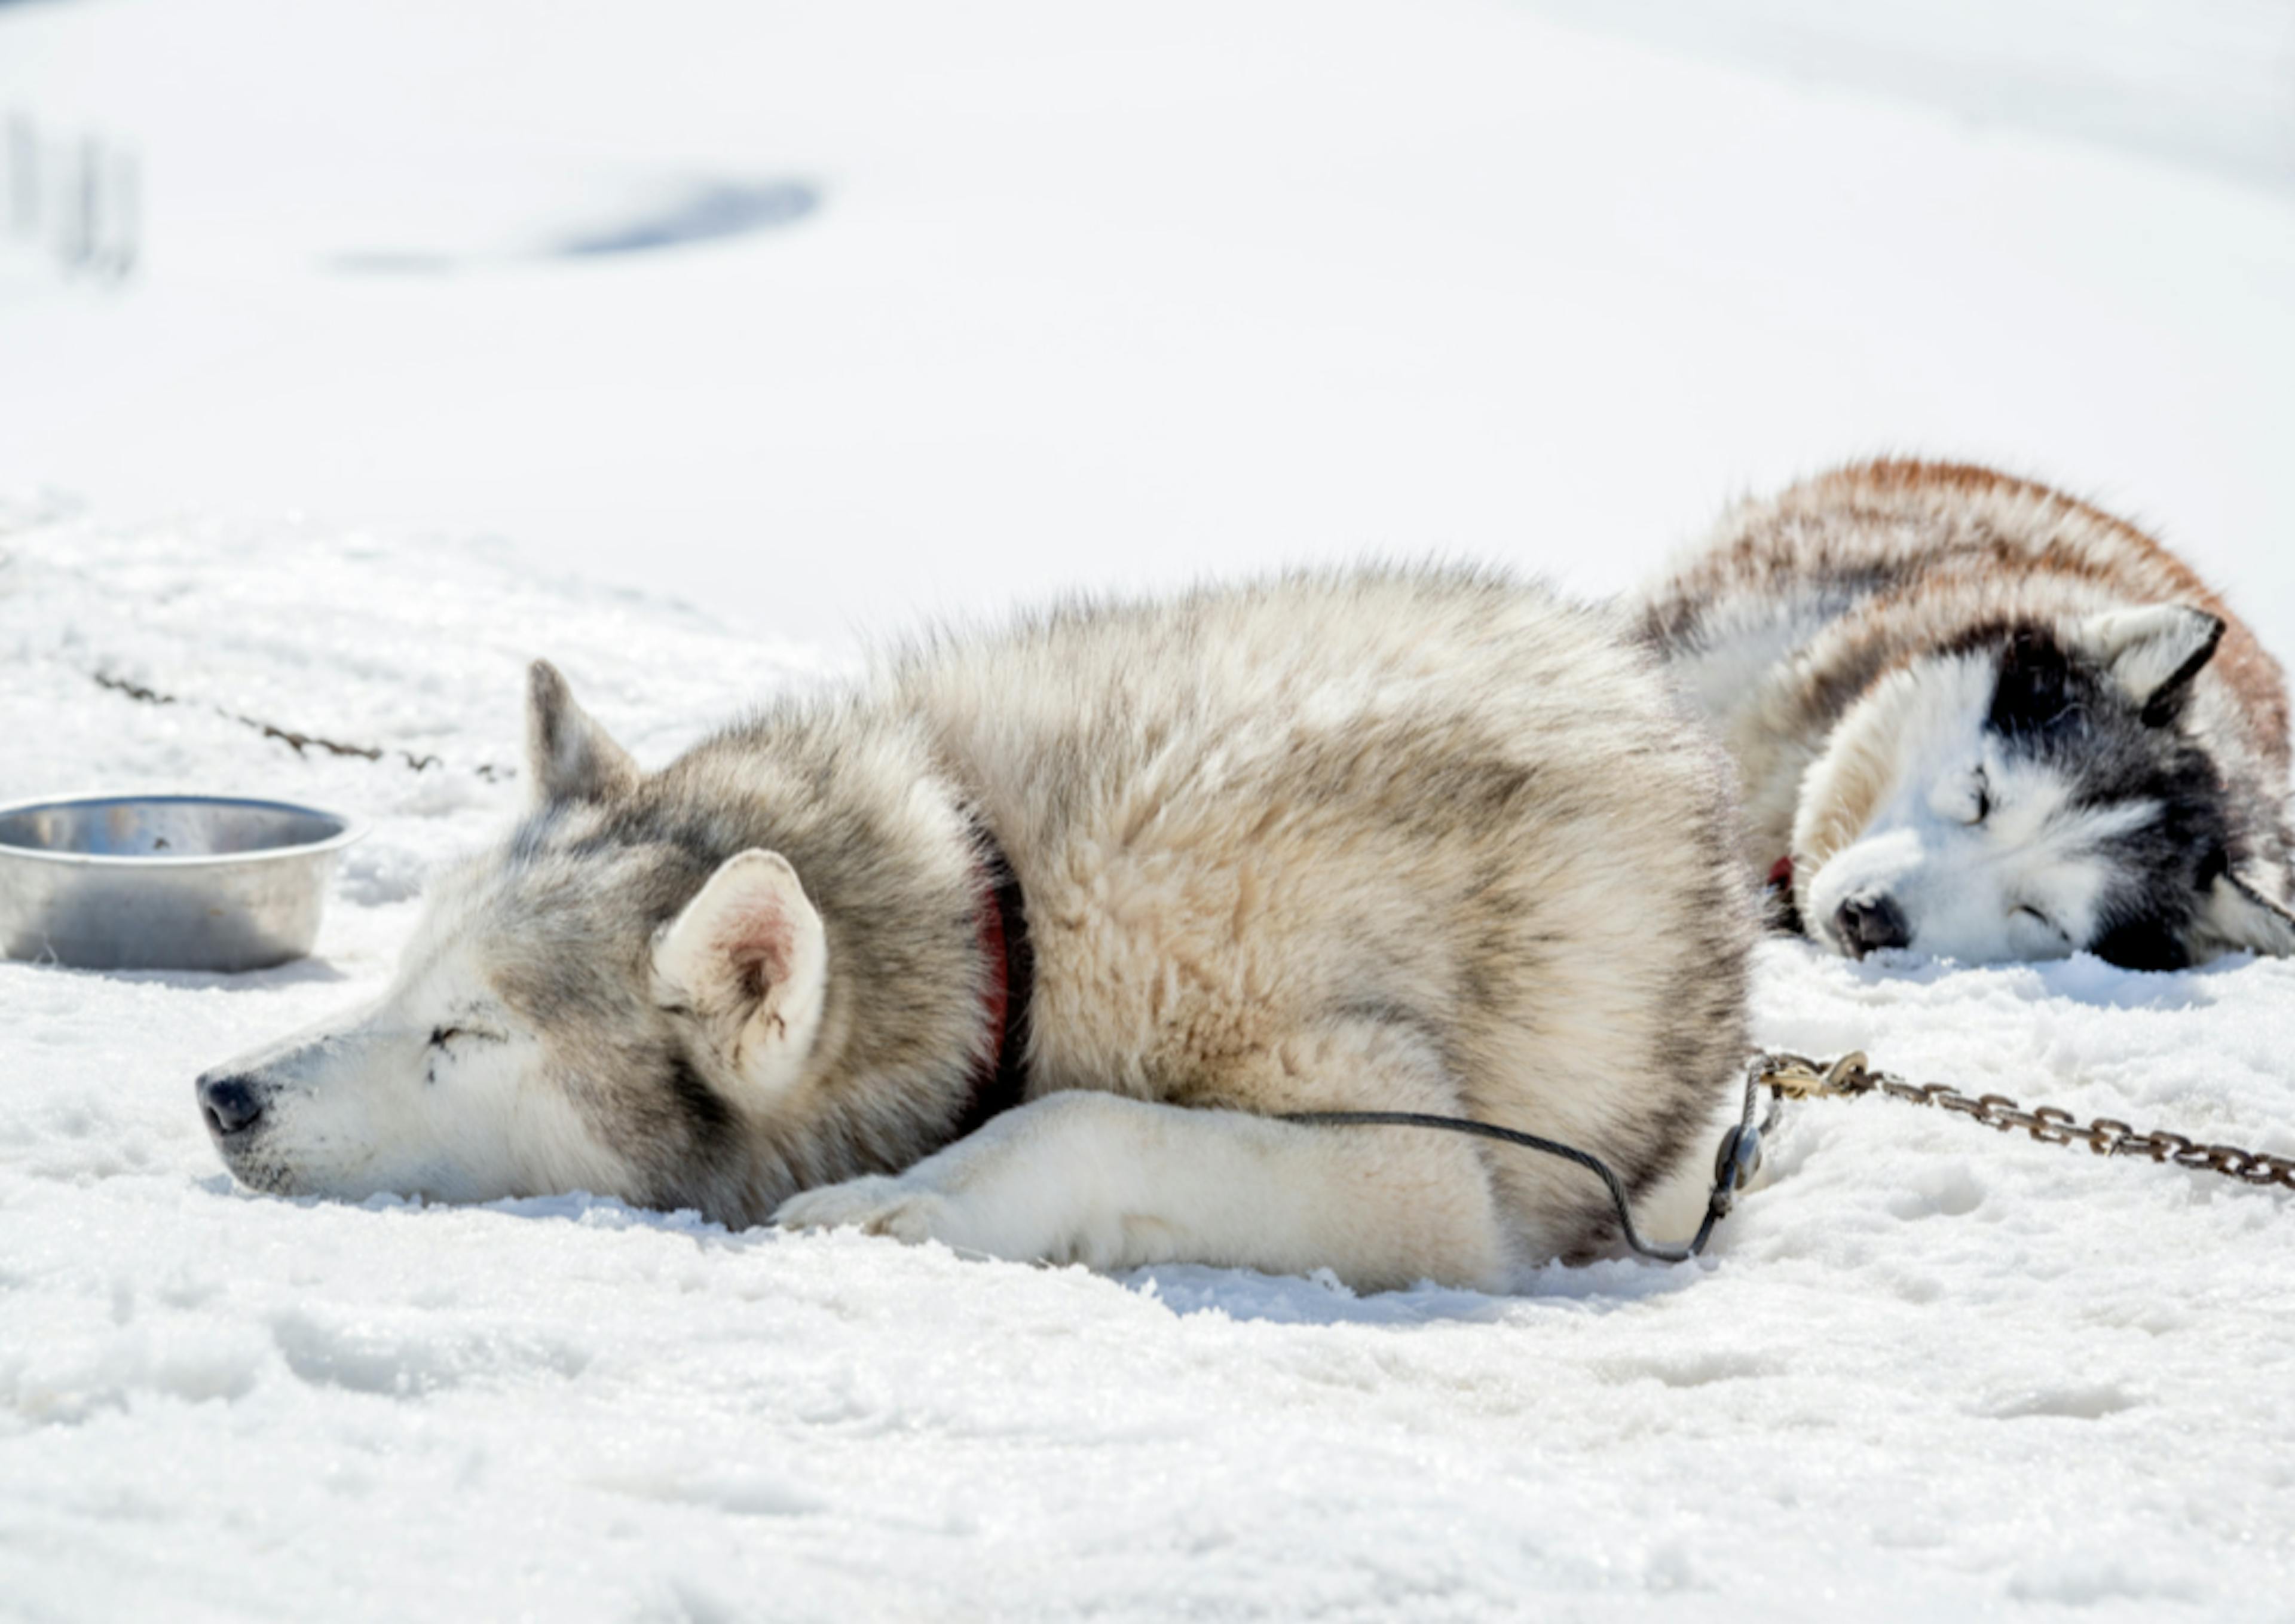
(1792, 1076)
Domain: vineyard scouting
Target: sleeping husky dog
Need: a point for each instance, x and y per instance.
(1026, 944)
(1978, 719)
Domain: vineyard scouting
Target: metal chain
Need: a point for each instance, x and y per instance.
(1792, 1076)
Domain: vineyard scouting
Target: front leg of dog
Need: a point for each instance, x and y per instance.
(1116, 1183)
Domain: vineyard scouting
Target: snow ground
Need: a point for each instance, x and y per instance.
(2210, 82)
(1080, 297)
(1928, 1373)
(1132, 293)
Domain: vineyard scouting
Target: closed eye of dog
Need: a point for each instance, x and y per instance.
(1983, 797)
(2030, 913)
(441, 1036)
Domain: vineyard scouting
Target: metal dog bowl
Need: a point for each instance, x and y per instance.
(165, 882)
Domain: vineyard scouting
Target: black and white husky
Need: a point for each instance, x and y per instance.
(1027, 943)
(1976, 718)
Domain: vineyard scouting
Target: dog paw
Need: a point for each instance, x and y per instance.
(876, 1204)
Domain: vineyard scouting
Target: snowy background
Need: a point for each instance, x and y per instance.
(394, 395)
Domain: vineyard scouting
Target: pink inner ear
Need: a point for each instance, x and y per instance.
(760, 945)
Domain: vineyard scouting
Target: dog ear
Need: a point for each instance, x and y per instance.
(568, 756)
(748, 959)
(2239, 915)
(2152, 653)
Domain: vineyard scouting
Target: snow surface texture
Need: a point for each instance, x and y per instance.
(1928, 1373)
(1030, 295)
(2210, 83)
(1130, 292)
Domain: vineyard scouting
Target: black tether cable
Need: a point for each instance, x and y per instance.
(1739, 1155)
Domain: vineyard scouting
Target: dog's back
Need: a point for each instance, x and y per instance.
(1435, 806)
(1899, 556)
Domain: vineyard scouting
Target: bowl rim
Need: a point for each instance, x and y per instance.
(353, 829)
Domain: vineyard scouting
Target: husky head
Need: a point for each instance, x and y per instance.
(2036, 790)
(621, 999)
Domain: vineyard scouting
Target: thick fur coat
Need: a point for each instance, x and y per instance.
(1385, 840)
(1979, 718)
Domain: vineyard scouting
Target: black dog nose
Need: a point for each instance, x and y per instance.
(1867, 923)
(228, 1103)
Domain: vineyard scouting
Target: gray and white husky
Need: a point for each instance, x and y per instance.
(1976, 718)
(1028, 942)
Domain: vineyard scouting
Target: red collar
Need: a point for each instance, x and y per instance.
(1783, 915)
(1000, 1081)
